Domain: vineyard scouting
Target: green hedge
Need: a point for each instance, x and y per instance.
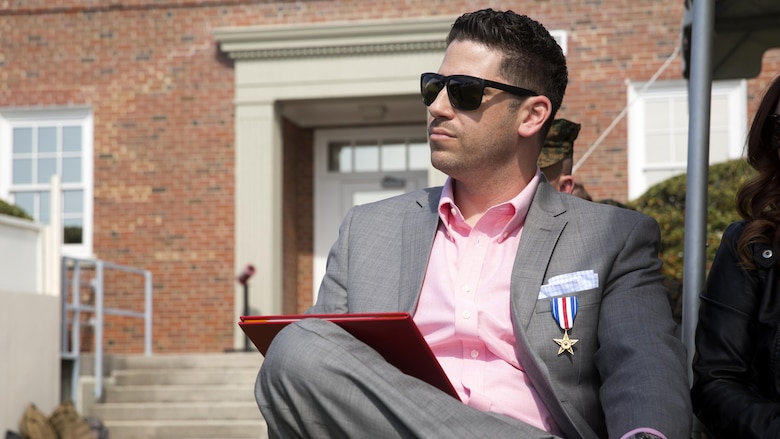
(666, 203)
(11, 210)
(72, 234)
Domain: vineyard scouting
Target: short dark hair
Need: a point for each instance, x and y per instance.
(532, 57)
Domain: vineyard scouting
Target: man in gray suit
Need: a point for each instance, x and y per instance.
(546, 312)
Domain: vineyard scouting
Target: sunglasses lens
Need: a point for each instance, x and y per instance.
(465, 93)
(430, 86)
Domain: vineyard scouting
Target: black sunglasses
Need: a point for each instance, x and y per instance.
(465, 92)
(772, 124)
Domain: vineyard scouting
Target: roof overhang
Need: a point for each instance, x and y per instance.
(742, 31)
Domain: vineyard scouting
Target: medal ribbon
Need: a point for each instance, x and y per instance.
(564, 310)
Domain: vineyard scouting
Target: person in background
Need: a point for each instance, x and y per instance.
(579, 191)
(546, 312)
(556, 158)
(736, 389)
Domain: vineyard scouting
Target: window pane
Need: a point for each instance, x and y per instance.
(339, 157)
(72, 230)
(656, 112)
(47, 139)
(72, 222)
(71, 139)
(46, 168)
(680, 141)
(71, 170)
(22, 140)
(419, 156)
(659, 175)
(680, 114)
(73, 201)
(394, 156)
(719, 149)
(366, 158)
(657, 149)
(43, 205)
(22, 172)
(719, 113)
(72, 233)
(25, 200)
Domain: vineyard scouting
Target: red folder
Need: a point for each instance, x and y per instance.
(394, 335)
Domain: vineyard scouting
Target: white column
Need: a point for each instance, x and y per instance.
(51, 265)
(258, 209)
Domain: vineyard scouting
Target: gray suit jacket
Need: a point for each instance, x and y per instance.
(628, 370)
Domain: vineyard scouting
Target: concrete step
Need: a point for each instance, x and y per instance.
(178, 411)
(249, 360)
(189, 429)
(170, 376)
(172, 396)
(180, 393)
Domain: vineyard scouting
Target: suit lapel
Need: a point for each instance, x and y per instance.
(418, 231)
(543, 226)
(542, 229)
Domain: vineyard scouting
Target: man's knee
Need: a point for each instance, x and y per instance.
(295, 349)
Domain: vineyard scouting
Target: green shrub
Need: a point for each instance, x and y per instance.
(11, 210)
(71, 234)
(666, 203)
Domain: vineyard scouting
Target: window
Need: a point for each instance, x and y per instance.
(38, 143)
(379, 155)
(658, 129)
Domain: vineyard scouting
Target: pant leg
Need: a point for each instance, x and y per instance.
(317, 381)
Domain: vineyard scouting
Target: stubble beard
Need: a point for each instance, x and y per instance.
(457, 166)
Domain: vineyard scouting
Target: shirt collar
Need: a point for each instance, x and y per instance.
(451, 216)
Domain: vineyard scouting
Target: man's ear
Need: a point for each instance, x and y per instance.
(534, 113)
(566, 184)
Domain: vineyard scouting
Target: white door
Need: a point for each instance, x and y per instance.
(358, 166)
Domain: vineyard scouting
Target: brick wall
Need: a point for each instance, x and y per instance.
(163, 142)
(298, 217)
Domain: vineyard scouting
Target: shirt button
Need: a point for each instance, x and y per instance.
(474, 354)
(466, 289)
(466, 314)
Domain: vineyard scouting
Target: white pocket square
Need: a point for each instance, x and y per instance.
(569, 283)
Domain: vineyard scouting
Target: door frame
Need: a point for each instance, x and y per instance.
(330, 198)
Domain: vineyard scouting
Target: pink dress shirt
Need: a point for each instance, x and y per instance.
(463, 311)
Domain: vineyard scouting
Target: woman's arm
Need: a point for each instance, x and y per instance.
(724, 394)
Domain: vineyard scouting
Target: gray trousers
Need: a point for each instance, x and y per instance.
(317, 381)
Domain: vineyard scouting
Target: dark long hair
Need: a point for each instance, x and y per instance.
(758, 200)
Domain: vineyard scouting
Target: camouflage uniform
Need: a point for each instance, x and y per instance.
(559, 143)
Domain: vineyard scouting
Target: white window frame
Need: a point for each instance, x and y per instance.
(561, 37)
(81, 116)
(639, 94)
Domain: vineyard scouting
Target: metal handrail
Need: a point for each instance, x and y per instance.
(76, 307)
